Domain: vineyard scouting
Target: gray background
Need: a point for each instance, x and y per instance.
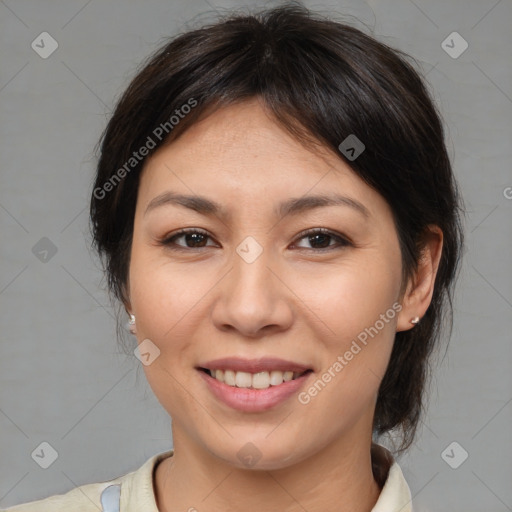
(63, 378)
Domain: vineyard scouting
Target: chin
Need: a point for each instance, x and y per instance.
(258, 455)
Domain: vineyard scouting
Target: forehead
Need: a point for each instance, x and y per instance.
(240, 149)
(244, 130)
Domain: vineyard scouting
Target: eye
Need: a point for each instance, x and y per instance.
(321, 238)
(193, 236)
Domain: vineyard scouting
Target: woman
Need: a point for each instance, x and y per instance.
(276, 211)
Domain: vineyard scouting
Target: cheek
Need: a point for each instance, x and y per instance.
(354, 304)
(351, 296)
(166, 301)
(164, 295)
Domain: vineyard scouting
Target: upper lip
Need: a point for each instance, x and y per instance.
(264, 364)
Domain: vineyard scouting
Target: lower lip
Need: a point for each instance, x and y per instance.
(253, 400)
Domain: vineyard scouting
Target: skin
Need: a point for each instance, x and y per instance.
(297, 300)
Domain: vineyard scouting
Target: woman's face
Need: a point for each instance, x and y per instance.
(251, 285)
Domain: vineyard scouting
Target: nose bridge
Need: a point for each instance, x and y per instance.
(252, 297)
(251, 279)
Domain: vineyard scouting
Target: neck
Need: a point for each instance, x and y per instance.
(339, 474)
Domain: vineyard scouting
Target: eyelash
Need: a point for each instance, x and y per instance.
(342, 240)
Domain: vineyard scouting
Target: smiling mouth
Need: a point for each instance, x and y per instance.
(260, 380)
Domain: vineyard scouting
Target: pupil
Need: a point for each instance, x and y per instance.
(324, 237)
(194, 237)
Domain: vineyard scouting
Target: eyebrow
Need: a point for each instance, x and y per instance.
(291, 206)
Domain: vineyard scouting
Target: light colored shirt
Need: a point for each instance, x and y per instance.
(134, 492)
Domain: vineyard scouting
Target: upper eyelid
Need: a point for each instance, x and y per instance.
(326, 231)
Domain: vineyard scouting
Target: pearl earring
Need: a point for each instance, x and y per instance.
(131, 324)
(415, 320)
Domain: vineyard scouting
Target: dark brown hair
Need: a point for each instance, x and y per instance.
(322, 80)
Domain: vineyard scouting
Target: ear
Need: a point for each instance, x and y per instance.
(127, 305)
(125, 297)
(420, 286)
(127, 308)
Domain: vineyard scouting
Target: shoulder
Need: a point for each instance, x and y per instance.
(86, 498)
(109, 496)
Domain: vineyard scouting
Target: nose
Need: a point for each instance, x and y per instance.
(253, 298)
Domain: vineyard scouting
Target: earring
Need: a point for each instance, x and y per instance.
(415, 320)
(131, 324)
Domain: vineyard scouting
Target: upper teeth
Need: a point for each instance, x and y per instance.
(261, 380)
